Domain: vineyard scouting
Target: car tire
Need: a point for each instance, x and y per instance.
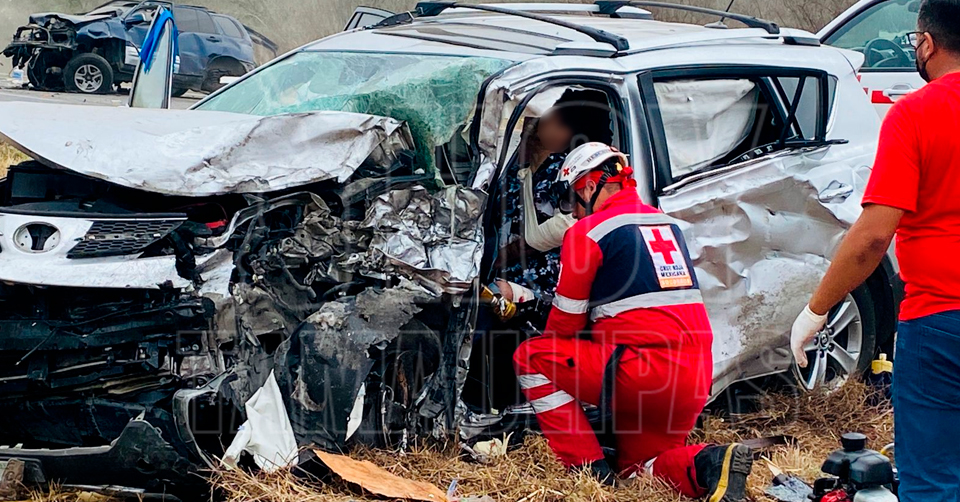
(846, 346)
(178, 92)
(88, 74)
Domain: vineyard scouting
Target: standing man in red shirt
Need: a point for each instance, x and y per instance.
(628, 323)
(914, 193)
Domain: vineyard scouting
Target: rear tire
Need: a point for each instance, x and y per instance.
(846, 346)
(88, 74)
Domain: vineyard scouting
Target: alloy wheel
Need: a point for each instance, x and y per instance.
(834, 353)
(88, 78)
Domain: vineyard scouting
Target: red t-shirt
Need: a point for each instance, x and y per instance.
(918, 170)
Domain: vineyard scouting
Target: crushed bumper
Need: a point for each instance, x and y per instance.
(140, 457)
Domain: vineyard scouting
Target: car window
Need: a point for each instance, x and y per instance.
(808, 107)
(228, 27)
(186, 19)
(881, 33)
(711, 122)
(205, 23)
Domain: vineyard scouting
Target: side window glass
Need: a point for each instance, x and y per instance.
(186, 19)
(882, 34)
(807, 107)
(228, 27)
(205, 23)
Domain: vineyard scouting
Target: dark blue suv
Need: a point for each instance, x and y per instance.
(94, 52)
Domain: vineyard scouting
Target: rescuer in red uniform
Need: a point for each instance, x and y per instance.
(646, 357)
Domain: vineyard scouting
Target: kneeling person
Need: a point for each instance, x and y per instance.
(625, 271)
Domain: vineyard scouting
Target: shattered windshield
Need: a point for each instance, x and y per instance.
(435, 95)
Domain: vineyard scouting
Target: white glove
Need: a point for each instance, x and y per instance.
(804, 329)
(541, 236)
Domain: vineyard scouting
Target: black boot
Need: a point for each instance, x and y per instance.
(601, 470)
(723, 470)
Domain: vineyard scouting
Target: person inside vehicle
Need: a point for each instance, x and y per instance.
(627, 332)
(533, 227)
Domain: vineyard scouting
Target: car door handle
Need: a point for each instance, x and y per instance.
(213, 38)
(835, 192)
(898, 91)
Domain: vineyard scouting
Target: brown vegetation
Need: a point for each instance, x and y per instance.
(8, 157)
(531, 474)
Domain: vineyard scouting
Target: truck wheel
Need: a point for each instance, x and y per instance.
(88, 73)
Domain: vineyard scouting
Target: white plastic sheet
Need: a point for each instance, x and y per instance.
(267, 434)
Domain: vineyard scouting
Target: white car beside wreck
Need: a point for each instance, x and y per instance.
(330, 217)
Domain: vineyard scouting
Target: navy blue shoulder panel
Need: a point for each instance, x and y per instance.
(628, 269)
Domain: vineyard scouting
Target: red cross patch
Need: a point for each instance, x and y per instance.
(668, 260)
(566, 171)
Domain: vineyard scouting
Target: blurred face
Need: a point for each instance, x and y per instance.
(553, 134)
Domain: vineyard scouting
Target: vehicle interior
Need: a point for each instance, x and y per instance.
(491, 383)
(882, 33)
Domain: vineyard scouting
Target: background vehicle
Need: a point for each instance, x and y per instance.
(94, 52)
(353, 273)
(880, 29)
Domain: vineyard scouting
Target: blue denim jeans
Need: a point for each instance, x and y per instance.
(926, 405)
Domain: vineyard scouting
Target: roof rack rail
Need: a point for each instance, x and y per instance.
(429, 9)
(610, 7)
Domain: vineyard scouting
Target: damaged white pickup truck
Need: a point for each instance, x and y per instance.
(330, 217)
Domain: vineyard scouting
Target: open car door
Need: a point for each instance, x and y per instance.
(366, 16)
(153, 79)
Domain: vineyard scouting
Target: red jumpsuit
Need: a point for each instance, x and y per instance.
(626, 270)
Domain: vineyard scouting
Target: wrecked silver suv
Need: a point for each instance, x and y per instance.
(329, 219)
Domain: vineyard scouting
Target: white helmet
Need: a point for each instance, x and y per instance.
(586, 158)
(579, 163)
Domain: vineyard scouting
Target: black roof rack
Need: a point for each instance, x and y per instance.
(609, 7)
(428, 9)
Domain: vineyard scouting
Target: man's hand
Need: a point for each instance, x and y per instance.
(805, 327)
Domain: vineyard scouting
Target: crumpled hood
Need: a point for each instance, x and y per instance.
(74, 19)
(200, 153)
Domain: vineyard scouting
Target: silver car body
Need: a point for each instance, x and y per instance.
(761, 228)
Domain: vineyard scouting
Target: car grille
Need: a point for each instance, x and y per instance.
(120, 237)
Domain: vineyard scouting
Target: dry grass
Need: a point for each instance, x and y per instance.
(8, 157)
(530, 474)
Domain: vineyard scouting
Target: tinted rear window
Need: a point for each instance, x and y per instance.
(228, 27)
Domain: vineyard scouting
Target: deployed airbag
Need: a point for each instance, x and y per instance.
(704, 120)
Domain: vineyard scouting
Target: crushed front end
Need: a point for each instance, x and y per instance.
(136, 323)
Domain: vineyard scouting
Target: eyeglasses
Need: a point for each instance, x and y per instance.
(916, 38)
